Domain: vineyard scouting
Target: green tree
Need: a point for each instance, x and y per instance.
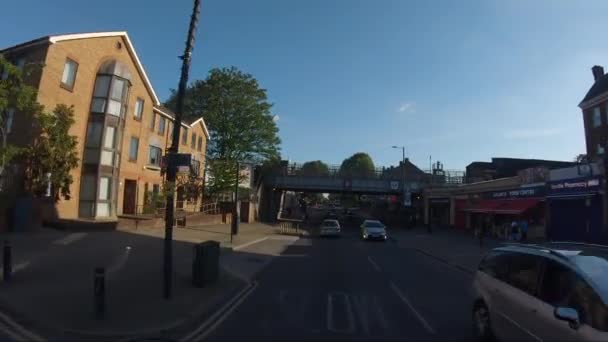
(237, 113)
(15, 96)
(52, 155)
(314, 168)
(359, 165)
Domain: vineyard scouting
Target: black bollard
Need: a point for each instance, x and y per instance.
(7, 269)
(100, 292)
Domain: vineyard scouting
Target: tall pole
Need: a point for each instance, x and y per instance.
(234, 228)
(171, 167)
(403, 172)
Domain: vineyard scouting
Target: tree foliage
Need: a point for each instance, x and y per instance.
(15, 95)
(238, 116)
(52, 155)
(359, 165)
(314, 168)
(581, 158)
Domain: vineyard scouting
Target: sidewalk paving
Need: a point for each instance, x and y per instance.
(459, 249)
(53, 293)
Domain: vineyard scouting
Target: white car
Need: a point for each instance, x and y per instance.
(330, 228)
(373, 230)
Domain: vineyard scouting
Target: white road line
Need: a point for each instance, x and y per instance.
(376, 267)
(236, 248)
(220, 315)
(28, 334)
(70, 238)
(349, 313)
(403, 298)
(17, 268)
(11, 334)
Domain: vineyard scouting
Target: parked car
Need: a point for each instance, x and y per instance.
(330, 228)
(373, 230)
(550, 292)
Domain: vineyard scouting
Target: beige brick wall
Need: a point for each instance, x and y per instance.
(90, 54)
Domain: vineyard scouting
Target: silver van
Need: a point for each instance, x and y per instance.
(549, 292)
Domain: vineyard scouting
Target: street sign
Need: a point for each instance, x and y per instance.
(179, 159)
(394, 185)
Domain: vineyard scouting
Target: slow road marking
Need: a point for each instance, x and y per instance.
(350, 316)
(404, 299)
(376, 267)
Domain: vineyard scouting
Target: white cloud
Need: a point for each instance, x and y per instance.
(275, 118)
(407, 107)
(530, 133)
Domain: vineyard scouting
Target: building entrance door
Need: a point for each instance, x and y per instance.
(130, 197)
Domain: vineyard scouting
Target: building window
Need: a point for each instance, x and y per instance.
(193, 141)
(155, 188)
(133, 148)
(600, 149)
(155, 155)
(139, 109)
(597, 117)
(199, 147)
(109, 141)
(153, 121)
(185, 137)
(68, 78)
(105, 195)
(162, 121)
(10, 114)
(20, 63)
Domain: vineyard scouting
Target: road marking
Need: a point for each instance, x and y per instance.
(376, 267)
(70, 238)
(379, 313)
(236, 248)
(4, 329)
(362, 308)
(19, 267)
(30, 336)
(220, 315)
(349, 313)
(403, 298)
(120, 261)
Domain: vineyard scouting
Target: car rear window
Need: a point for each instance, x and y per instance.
(330, 224)
(374, 225)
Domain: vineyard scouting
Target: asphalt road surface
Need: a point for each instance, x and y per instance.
(348, 289)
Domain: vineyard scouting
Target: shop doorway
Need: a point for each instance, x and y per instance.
(130, 197)
(576, 219)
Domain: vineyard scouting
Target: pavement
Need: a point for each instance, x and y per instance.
(50, 296)
(345, 288)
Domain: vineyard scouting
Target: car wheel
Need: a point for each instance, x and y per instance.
(481, 323)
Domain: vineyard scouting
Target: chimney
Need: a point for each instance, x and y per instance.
(597, 71)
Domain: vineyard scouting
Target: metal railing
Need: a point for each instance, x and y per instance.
(184, 207)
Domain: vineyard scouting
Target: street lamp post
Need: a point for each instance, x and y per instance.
(171, 165)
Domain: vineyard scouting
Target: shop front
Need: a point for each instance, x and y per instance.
(575, 210)
(500, 208)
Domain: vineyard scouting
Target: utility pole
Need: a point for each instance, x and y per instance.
(171, 165)
(234, 227)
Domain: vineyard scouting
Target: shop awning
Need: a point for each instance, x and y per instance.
(514, 206)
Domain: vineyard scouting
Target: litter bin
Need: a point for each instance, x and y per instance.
(205, 264)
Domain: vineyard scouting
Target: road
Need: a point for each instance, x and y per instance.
(345, 288)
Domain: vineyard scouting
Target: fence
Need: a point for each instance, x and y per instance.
(181, 207)
(287, 226)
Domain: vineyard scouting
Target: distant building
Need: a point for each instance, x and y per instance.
(406, 168)
(508, 167)
(595, 114)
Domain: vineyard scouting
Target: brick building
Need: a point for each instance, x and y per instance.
(508, 167)
(595, 114)
(121, 127)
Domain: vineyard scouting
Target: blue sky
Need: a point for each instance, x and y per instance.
(458, 80)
